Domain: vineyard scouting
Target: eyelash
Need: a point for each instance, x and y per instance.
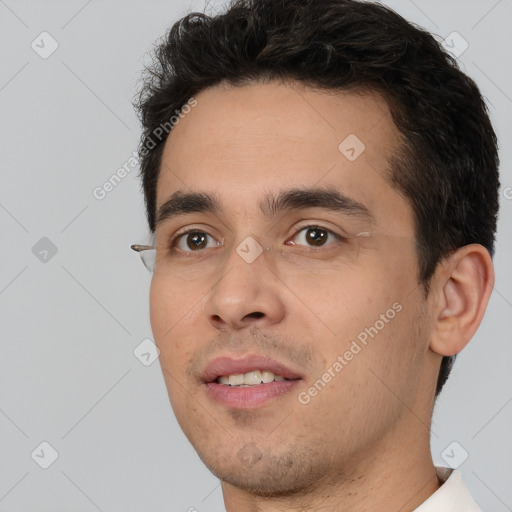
(175, 240)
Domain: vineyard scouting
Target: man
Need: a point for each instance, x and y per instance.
(321, 182)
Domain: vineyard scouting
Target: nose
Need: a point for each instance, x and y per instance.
(247, 295)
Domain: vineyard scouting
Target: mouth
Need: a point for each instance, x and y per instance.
(249, 382)
(249, 379)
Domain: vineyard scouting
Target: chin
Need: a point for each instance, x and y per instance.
(267, 475)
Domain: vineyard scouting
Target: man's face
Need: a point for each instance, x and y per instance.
(327, 297)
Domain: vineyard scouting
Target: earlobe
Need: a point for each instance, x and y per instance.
(464, 286)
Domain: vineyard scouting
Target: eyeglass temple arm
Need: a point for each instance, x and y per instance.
(139, 248)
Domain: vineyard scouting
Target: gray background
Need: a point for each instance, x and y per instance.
(70, 324)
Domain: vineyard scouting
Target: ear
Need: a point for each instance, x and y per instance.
(463, 287)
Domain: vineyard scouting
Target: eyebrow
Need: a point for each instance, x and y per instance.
(181, 203)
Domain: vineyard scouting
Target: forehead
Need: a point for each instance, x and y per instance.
(239, 142)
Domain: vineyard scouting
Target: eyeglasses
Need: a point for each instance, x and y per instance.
(148, 252)
(147, 255)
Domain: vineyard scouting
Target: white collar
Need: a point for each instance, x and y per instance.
(452, 496)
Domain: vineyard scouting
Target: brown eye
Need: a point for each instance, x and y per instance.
(315, 236)
(194, 241)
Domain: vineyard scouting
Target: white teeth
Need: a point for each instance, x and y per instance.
(250, 379)
(235, 380)
(267, 377)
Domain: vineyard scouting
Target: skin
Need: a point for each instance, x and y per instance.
(362, 443)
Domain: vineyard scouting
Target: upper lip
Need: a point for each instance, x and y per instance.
(227, 365)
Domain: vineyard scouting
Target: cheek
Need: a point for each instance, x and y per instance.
(171, 320)
(173, 338)
(370, 317)
(171, 306)
(159, 310)
(342, 304)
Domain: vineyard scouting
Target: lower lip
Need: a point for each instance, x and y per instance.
(250, 397)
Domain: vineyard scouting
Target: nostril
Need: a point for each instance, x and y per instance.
(256, 314)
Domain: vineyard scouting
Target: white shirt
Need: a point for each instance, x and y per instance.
(452, 496)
